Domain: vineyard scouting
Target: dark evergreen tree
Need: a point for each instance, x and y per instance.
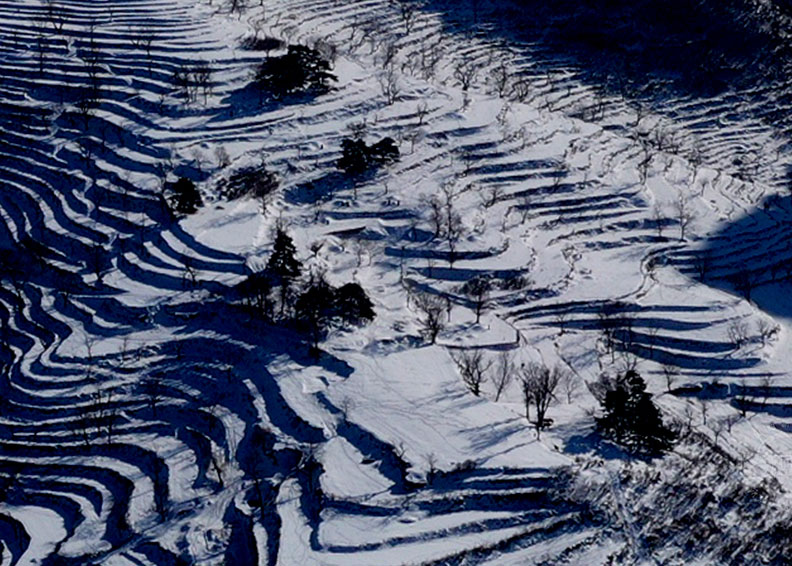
(354, 157)
(185, 196)
(315, 309)
(283, 266)
(357, 157)
(256, 290)
(300, 70)
(384, 151)
(632, 419)
(352, 304)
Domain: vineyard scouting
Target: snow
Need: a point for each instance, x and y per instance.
(414, 467)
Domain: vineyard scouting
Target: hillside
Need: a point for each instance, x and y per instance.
(150, 417)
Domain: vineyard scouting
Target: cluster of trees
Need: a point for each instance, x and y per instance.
(321, 306)
(629, 416)
(189, 80)
(357, 157)
(302, 70)
(183, 196)
(540, 385)
(314, 307)
(256, 181)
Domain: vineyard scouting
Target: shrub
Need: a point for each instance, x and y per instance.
(257, 182)
(357, 157)
(253, 43)
(184, 197)
(300, 70)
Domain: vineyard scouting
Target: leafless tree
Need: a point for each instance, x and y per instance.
(55, 15)
(670, 373)
(407, 10)
(473, 368)
(202, 77)
(465, 72)
(743, 282)
(499, 80)
(478, 290)
(40, 30)
(702, 263)
(659, 218)
(570, 383)
(153, 392)
(730, 421)
(221, 156)
(539, 385)
(688, 413)
(520, 90)
(738, 333)
(646, 160)
(767, 331)
(505, 368)
(743, 399)
(432, 308)
(451, 219)
(389, 52)
(421, 112)
(684, 214)
(237, 6)
(431, 466)
(704, 411)
(766, 388)
(718, 426)
(389, 83)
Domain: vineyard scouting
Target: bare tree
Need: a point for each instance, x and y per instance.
(473, 367)
(743, 282)
(499, 79)
(505, 369)
(743, 400)
(465, 72)
(40, 30)
(389, 83)
(702, 263)
(421, 112)
(766, 330)
(658, 218)
(718, 426)
(646, 160)
(432, 308)
(766, 388)
(684, 214)
(738, 333)
(478, 290)
(202, 77)
(570, 383)
(407, 10)
(154, 393)
(539, 385)
(237, 6)
(520, 90)
(55, 16)
(670, 373)
(452, 221)
(730, 421)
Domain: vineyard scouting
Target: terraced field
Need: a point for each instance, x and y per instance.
(148, 419)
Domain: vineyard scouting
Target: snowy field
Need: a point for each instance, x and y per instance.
(147, 419)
